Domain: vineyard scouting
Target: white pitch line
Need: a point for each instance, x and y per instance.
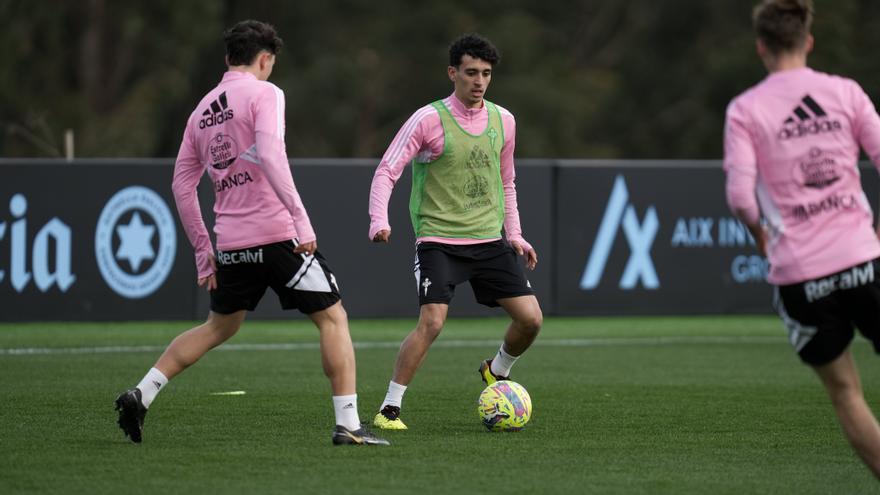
(299, 346)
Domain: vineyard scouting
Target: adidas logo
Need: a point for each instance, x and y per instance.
(217, 114)
(157, 384)
(348, 406)
(478, 159)
(809, 118)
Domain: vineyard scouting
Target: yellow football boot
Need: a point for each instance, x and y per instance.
(486, 373)
(389, 419)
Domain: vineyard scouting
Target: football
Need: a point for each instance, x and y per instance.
(504, 406)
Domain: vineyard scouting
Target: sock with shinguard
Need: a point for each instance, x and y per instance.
(346, 409)
(150, 386)
(502, 362)
(394, 397)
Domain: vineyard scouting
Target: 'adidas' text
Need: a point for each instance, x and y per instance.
(806, 129)
(809, 118)
(217, 114)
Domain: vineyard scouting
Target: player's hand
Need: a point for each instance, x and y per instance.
(531, 255)
(306, 248)
(759, 233)
(210, 282)
(383, 235)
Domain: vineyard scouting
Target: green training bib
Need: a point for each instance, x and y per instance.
(460, 194)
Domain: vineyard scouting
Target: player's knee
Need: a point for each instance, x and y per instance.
(225, 332)
(843, 391)
(846, 395)
(223, 327)
(532, 322)
(331, 319)
(431, 326)
(337, 314)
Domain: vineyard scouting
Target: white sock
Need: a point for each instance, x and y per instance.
(150, 386)
(394, 397)
(502, 362)
(346, 408)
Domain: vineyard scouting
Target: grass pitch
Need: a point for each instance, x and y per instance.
(621, 405)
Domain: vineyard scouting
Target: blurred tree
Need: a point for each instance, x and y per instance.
(112, 71)
(585, 79)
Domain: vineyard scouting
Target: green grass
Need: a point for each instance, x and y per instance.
(629, 413)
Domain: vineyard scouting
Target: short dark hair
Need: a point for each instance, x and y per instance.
(474, 45)
(783, 25)
(247, 39)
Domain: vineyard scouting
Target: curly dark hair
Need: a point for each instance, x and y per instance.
(474, 45)
(245, 40)
(783, 25)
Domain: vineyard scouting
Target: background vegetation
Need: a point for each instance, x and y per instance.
(586, 79)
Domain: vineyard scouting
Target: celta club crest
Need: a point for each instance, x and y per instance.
(493, 135)
(477, 186)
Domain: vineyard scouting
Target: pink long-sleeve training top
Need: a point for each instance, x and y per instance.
(422, 136)
(236, 133)
(791, 150)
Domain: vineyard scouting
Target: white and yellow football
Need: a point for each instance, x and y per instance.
(504, 406)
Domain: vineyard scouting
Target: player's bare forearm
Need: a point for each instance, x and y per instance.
(759, 233)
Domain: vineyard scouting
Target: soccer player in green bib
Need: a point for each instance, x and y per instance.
(463, 195)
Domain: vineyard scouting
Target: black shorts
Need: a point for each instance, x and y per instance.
(301, 282)
(820, 314)
(492, 268)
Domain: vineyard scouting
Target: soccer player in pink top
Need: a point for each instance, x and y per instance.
(461, 149)
(264, 237)
(791, 149)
